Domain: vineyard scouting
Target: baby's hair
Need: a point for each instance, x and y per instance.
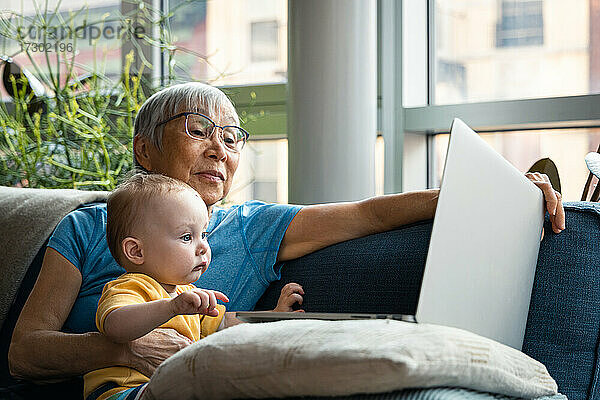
(127, 202)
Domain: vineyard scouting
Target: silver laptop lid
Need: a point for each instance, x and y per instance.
(484, 244)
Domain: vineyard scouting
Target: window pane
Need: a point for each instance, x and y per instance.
(262, 173)
(566, 147)
(512, 49)
(230, 42)
(414, 53)
(264, 41)
(94, 46)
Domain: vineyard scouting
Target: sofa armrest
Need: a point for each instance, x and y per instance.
(564, 314)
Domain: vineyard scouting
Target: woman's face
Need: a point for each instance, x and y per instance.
(205, 165)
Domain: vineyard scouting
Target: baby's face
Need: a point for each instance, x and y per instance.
(174, 251)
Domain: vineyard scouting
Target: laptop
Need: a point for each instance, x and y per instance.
(483, 250)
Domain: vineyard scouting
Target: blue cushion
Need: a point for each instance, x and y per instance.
(564, 315)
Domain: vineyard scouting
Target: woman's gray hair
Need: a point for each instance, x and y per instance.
(184, 97)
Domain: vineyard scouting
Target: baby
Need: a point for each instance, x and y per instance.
(156, 232)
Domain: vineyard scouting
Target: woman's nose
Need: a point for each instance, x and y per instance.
(216, 148)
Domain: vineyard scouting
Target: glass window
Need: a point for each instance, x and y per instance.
(415, 73)
(512, 49)
(262, 173)
(521, 23)
(566, 147)
(81, 38)
(229, 42)
(264, 41)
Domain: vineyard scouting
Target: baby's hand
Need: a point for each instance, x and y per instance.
(197, 301)
(290, 295)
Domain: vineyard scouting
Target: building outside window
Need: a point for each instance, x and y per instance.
(264, 41)
(519, 49)
(231, 42)
(521, 23)
(98, 42)
(559, 65)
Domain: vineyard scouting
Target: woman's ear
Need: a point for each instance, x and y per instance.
(133, 250)
(141, 151)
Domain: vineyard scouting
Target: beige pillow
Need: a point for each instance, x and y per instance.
(333, 358)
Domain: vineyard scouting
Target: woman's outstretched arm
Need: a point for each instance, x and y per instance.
(321, 225)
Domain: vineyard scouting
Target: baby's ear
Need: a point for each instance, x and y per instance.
(132, 250)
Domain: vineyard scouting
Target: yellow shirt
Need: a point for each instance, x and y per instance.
(134, 288)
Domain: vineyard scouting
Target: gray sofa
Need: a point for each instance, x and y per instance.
(382, 273)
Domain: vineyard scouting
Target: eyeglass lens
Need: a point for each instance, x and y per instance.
(199, 127)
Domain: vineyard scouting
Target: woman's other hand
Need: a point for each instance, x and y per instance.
(148, 352)
(552, 198)
(290, 295)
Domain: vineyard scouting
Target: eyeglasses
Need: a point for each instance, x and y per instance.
(200, 127)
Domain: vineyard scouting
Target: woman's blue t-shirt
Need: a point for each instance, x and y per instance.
(244, 241)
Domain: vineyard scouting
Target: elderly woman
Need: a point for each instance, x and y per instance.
(190, 132)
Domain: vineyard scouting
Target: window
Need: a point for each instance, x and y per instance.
(523, 73)
(516, 49)
(230, 42)
(264, 41)
(90, 38)
(239, 45)
(521, 23)
(451, 80)
(262, 173)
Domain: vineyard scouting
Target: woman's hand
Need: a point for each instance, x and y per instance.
(148, 352)
(553, 200)
(197, 301)
(290, 295)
